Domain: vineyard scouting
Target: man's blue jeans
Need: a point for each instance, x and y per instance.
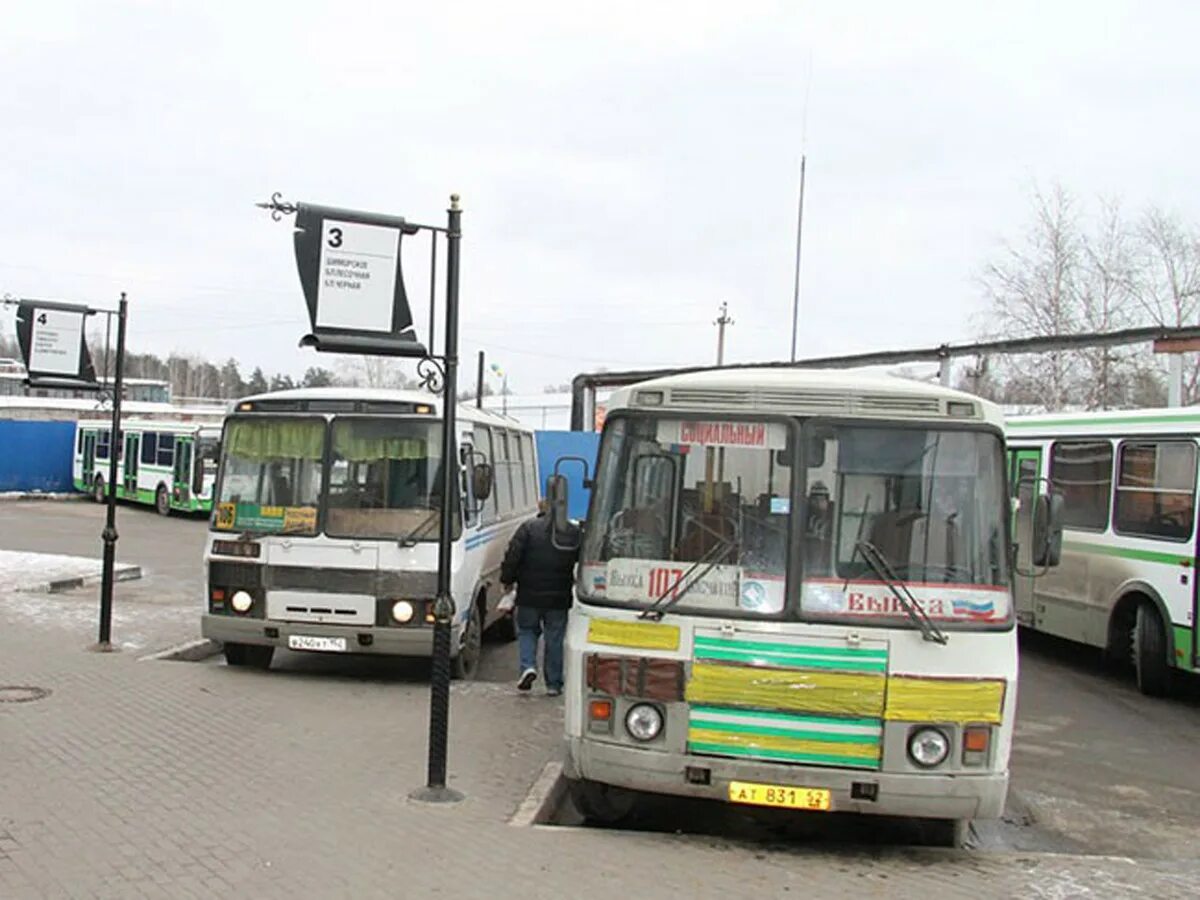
(532, 623)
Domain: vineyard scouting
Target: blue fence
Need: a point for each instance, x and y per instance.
(553, 446)
(36, 456)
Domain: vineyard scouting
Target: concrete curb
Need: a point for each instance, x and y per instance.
(543, 798)
(189, 651)
(122, 573)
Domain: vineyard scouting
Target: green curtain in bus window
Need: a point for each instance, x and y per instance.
(363, 442)
(259, 441)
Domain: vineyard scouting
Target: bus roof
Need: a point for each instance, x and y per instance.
(1182, 420)
(212, 427)
(831, 392)
(466, 412)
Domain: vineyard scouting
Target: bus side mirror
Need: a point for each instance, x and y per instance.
(482, 479)
(198, 476)
(563, 534)
(1047, 530)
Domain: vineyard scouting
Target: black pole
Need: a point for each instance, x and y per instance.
(479, 383)
(796, 286)
(439, 687)
(109, 535)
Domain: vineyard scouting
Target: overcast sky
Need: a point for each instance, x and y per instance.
(623, 169)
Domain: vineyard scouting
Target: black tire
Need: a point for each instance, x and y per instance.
(952, 833)
(251, 656)
(162, 501)
(1150, 652)
(98, 490)
(465, 664)
(505, 628)
(601, 803)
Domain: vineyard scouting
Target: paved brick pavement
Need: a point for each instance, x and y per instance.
(171, 779)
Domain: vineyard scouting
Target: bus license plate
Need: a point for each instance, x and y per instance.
(779, 795)
(326, 644)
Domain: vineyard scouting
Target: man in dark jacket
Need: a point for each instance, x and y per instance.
(544, 576)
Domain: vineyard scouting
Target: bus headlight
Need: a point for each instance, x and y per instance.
(643, 722)
(928, 747)
(241, 602)
(402, 611)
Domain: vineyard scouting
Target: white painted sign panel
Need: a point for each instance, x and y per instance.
(56, 341)
(357, 282)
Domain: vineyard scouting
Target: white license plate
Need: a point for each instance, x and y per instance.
(325, 644)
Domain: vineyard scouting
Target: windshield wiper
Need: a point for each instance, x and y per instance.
(880, 565)
(410, 539)
(709, 560)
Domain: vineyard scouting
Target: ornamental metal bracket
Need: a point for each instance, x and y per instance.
(278, 207)
(432, 374)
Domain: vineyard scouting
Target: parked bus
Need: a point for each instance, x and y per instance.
(328, 512)
(1128, 581)
(794, 591)
(171, 466)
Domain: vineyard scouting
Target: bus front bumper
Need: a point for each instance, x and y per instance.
(375, 640)
(897, 794)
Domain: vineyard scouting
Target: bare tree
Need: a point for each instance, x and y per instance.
(1167, 281)
(1032, 290)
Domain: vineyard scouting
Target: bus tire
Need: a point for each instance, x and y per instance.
(505, 628)
(951, 833)
(1150, 652)
(250, 656)
(162, 501)
(601, 803)
(465, 665)
(98, 489)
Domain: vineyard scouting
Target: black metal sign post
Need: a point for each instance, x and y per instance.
(349, 266)
(51, 337)
(109, 535)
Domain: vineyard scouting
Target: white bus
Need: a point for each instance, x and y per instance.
(325, 530)
(1128, 580)
(171, 466)
(794, 591)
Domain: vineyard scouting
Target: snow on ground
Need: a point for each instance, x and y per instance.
(23, 571)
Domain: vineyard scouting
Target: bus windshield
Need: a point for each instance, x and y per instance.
(385, 479)
(698, 515)
(271, 476)
(925, 506)
(691, 512)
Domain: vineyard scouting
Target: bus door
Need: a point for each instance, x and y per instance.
(183, 470)
(1026, 470)
(132, 447)
(89, 456)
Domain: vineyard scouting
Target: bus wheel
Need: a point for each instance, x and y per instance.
(601, 803)
(465, 665)
(162, 501)
(950, 832)
(252, 656)
(98, 489)
(1150, 652)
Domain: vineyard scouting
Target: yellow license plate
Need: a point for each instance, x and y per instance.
(779, 795)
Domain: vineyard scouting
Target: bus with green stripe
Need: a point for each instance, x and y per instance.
(170, 465)
(1128, 581)
(794, 590)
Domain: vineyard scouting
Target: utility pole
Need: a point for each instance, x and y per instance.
(721, 322)
(796, 284)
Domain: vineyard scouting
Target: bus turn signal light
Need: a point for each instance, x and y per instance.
(975, 740)
(600, 713)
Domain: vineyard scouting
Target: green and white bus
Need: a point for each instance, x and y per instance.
(1127, 582)
(171, 466)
